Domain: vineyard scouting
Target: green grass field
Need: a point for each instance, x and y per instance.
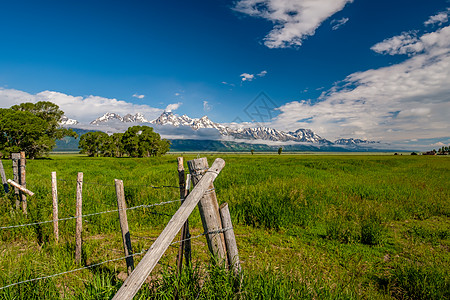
(307, 226)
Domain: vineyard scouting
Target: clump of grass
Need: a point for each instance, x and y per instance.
(416, 281)
(372, 231)
(342, 227)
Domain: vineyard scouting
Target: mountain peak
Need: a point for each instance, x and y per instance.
(66, 121)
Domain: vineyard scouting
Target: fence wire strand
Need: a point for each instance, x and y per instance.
(111, 260)
(97, 213)
(133, 185)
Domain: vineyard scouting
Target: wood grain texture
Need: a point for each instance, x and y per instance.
(134, 282)
(2, 174)
(126, 238)
(55, 207)
(209, 210)
(19, 187)
(230, 239)
(79, 220)
(23, 180)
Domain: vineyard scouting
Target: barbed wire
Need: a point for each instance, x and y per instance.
(110, 260)
(133, 185)
(94, 214)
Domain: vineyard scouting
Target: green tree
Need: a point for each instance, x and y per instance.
(252, 151)
(116, 146)
(280, 150)
(22, 131)
(51, 115)
(140, 141)
(93, 143)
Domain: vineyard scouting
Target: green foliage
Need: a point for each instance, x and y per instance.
(137, 141)
(31, 127)
(280, 150)
(94, 143)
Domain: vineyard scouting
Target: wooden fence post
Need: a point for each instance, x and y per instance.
(187, 234)
(55, 207)
(185, 245)
(2, 174)
(209, 210)
(122, 206)
(230, 239)
(134, 282)
(23, 180)
(15, 165)
(79, 219)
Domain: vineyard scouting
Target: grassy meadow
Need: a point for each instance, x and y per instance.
(307, 227)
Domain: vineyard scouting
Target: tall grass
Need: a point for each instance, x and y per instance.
(307, 227)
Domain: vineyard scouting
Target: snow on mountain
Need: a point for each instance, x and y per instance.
(108, 117)
(66, 121)
(257, 133)
(138, 117)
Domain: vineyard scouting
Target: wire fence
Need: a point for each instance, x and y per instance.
(95, 214)
(111, 260)
(133, 185)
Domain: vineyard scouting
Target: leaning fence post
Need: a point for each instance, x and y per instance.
(23, 181)
(122, 206)
(15, 165)
(55, 207)
(2, 174)
(79, 219)
(230, 239)
(134, 282)
(209, 210)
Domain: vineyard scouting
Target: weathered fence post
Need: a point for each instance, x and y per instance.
(184, 247)
(122, 206)
(209, 210)
(2, 174)
(79, 219)
(230, 239)
(55, 207)
(134, 282)
(15, 165)
(19, 187)
(187, 234)
(23, 180)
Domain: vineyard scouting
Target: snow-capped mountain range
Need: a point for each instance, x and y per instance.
(257, 133)
(129, 118)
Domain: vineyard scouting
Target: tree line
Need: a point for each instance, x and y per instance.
(31, 127)
(137, 141)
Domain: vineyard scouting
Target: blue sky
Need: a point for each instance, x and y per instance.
(364, 69)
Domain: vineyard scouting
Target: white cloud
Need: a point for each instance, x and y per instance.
(406, 43)
(173, 106)
(409, 100)
(247, 77)
(177, 94)
(294, 20)
(438, 19)
(438, 144)
(206, 106)
(138, 96)
(83, 109)
(262, 73)
(338, 23)
(435, 43)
